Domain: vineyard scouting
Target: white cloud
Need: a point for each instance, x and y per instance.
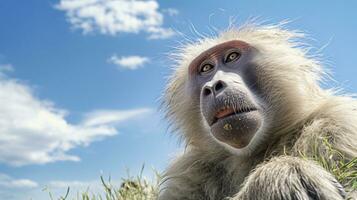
(35, 131)
(9, 182)
(16, 189)
(65, 184)
(111, 17)
(128, 62)
(171, 11)
(111, 116)
(6, 68)
(33, 190)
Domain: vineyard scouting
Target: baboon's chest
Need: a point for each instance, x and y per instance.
(222, 181)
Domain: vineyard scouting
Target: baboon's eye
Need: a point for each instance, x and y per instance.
(206, 68)
(232, 57)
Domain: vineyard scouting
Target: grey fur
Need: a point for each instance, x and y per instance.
(301, 117)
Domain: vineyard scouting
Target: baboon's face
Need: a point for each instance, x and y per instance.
(224, 79)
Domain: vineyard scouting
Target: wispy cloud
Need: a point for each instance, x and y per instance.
(9, 182)
(11, 188)
(128, 62)
(6, 68)
(171, 11)
(112, 116)
(35, 131)
(65, 184)
(111, 17)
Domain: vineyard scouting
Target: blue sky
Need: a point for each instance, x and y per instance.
(79, 87)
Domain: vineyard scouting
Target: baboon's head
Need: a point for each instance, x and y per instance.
(223, 79)
(241, 88)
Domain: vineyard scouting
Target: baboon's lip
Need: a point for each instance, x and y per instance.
(224, 113)
(229, 111)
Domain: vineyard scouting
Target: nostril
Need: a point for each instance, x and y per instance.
(218, 86)
(206, 91)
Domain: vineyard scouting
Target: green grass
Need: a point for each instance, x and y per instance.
(344, 170)
(138, 188)
(131, 188)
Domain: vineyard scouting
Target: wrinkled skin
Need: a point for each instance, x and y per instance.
(226, 92)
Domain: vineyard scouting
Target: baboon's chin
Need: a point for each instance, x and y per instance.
(237, 130)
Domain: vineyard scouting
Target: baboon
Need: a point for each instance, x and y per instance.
(256, 122)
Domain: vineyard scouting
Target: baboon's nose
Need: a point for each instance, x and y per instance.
(215, 89)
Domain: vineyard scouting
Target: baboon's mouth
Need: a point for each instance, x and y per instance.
(229, 111)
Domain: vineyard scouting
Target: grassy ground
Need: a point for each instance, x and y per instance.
(131, 188)
(344, 171)
(138, 188)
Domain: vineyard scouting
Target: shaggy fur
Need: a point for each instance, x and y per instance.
(302, 118)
